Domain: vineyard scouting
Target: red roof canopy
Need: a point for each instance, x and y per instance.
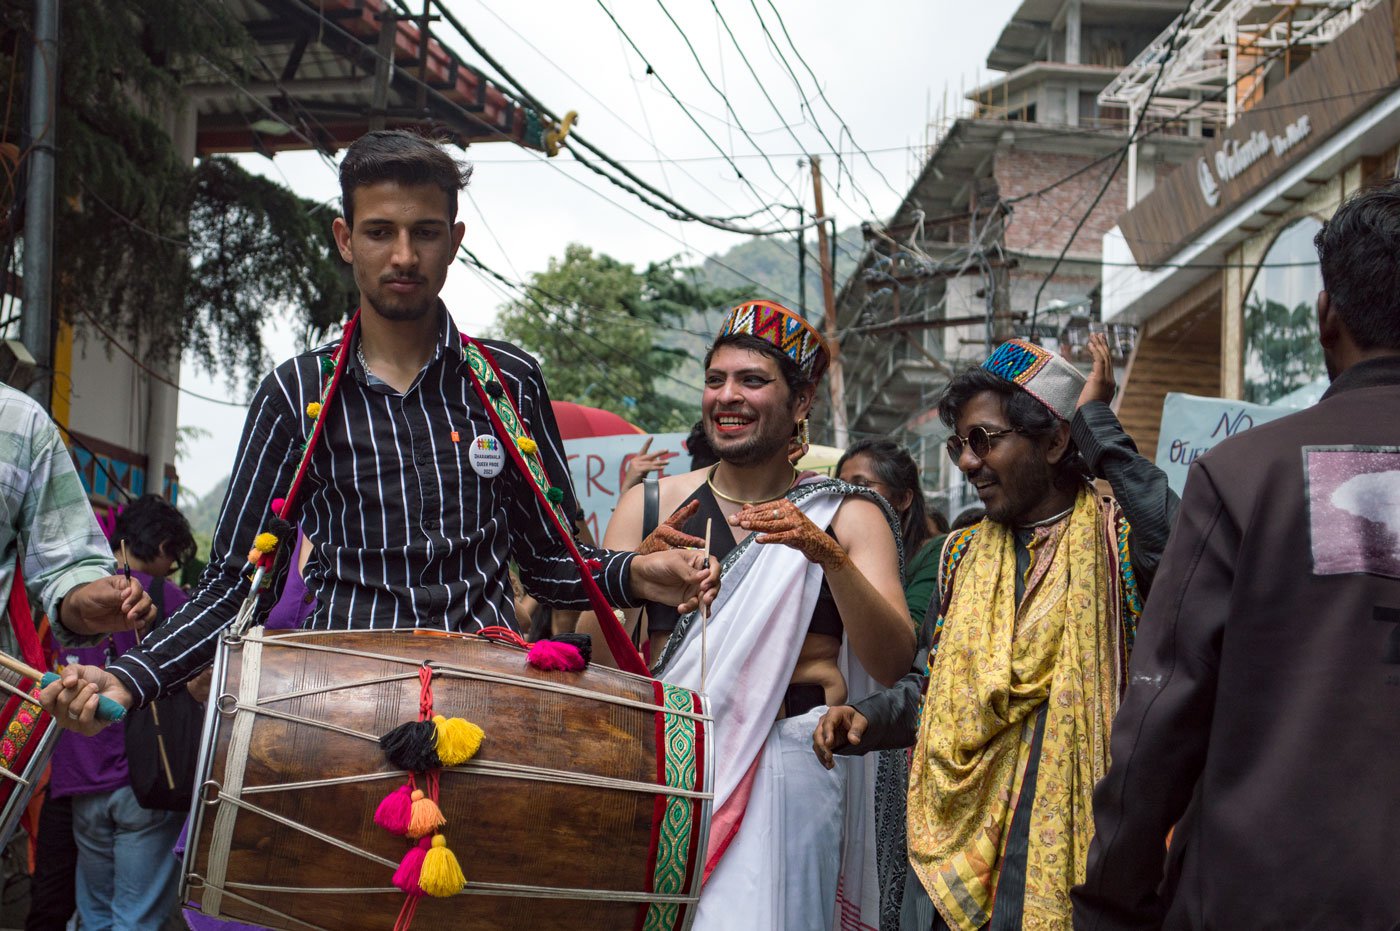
(577, 422)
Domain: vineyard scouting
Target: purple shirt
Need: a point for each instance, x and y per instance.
(84, 765)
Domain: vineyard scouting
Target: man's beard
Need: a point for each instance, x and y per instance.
(754, 451)
(401, 312)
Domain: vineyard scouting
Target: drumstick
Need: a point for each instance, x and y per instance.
(107, 710)
(704, 611)
(155, 712)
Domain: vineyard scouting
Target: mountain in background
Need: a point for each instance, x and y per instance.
(202, 511)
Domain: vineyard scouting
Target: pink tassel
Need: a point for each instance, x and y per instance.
(551, 654)
(394, 812)
(277, 505)
(411, 868)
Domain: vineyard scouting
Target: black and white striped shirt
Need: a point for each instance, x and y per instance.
(406, 533)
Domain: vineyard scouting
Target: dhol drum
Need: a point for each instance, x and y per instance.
(27, 739)
(587, 806)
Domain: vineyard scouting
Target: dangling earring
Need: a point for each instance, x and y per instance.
(802, 432)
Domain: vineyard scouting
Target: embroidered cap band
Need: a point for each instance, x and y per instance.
(784, 330)
(1047, 377)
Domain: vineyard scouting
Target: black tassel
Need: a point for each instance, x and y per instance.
(412, 746)
(584, 642)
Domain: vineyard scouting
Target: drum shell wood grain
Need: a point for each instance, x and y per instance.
(502, 829)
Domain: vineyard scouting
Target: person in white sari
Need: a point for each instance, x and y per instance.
(812, 622)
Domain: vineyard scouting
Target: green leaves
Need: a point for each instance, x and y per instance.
(600, 329)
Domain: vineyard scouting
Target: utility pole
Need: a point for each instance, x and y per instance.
(36, 326)
(835, 377)
(802, 262)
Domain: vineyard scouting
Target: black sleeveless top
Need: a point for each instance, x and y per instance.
(661, 619)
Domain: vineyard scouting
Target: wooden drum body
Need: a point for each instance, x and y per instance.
(587, 806)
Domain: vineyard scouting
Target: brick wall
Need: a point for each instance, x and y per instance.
(1043, 223)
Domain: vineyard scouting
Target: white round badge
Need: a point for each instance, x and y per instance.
(487, 456)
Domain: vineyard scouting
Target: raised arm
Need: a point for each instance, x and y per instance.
(1140, 487)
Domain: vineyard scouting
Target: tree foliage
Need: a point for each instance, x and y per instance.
(595, 323)
(166, 255)
(1283, 353)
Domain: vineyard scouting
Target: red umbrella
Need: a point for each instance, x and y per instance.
(577, 422)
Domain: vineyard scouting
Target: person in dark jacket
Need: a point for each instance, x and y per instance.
(1263, 697)
(1036, 608)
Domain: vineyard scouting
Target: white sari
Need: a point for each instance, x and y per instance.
(791, 846)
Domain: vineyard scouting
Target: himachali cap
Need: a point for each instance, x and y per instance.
(1045, 376)
(784, 330)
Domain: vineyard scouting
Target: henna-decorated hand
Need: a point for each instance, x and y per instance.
(781, 522)
(670, 536)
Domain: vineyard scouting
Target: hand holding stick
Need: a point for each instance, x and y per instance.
(107, 710)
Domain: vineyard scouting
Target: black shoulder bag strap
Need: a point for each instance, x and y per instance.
(651, 519)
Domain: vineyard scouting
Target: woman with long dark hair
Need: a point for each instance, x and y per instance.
(888, 469)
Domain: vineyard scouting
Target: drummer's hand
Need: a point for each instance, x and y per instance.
(198, 687)
(109, 604)
(72, 700)
(683, 578)
(840, 727)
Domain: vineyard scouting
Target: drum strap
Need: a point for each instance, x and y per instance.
(524, 452)
(221, 842)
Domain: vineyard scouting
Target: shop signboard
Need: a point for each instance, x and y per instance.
(1338, 83)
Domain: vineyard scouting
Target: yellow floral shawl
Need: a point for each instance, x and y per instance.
(996, 665)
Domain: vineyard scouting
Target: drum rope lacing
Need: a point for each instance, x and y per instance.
(245, 713)
(462, 672)
(224, 891)
(472, 767)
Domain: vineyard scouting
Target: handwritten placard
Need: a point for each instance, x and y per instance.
(598, 465)
(1192, 425)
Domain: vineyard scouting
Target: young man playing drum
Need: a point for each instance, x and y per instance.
(799, 626)
(409, 497)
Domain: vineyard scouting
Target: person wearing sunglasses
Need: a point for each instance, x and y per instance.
(1035, 611)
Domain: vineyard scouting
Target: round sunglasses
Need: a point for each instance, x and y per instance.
(978, 439)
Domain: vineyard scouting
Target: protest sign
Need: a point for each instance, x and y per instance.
(1191, 425)
(598, 465)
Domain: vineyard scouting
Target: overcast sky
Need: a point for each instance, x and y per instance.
(884, 66)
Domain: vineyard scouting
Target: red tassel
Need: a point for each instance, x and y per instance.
(551, 655)
(394, 812)
(411, 868)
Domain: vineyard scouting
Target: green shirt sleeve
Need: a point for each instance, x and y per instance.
(922, 582)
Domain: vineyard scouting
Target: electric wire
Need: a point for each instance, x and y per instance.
(637, 184)
(704, 72)
(822, 94)
(665, 86)
(1108, 181)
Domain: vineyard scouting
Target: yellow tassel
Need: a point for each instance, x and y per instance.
(457, 740)
(527, 445)
(441, 875)
(313, 410)
(426, 816)
(265, 542)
